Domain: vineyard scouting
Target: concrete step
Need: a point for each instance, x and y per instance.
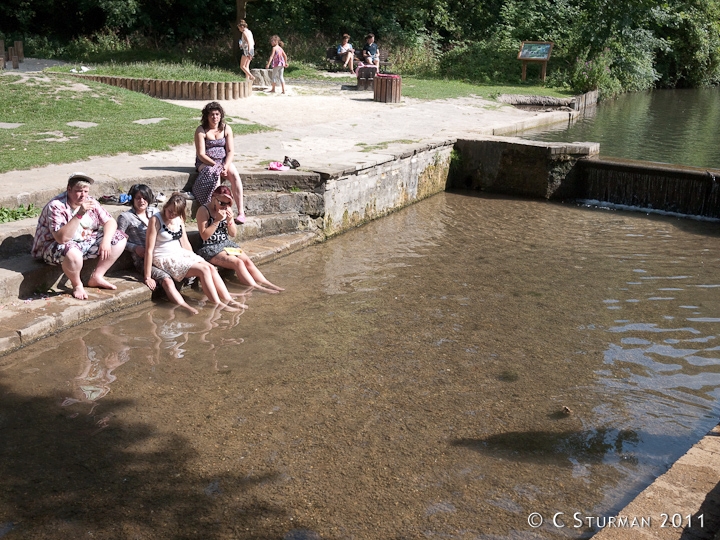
(269, 213)
(26, 315)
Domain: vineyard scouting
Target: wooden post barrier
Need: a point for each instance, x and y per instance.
(13, 57)
(220, 91)
(19, 51)
(387, 88)
(2, 54)
(365, 77)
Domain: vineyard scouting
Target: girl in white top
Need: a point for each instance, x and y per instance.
(247, 45)
(167, 248)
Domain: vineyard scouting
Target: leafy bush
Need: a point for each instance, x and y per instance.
(483, 61)
(22, 212)
(594, 74)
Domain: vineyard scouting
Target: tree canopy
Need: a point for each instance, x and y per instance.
(630, 45)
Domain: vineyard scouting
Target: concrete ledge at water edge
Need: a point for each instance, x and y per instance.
(577, 103)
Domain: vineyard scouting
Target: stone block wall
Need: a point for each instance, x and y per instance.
(519, 167)
(357, 196)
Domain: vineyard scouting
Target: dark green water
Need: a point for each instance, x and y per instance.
(668, 126)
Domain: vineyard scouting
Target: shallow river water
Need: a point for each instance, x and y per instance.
(410, 383)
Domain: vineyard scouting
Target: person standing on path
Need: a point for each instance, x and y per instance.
(247, 46)
(73, 227)
(279, 61)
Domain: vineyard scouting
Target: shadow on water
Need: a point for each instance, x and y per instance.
(559, 447)
(65, 477)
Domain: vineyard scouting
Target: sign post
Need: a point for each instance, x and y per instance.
(535, 51)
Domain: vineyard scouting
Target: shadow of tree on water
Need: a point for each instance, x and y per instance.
(68, 476)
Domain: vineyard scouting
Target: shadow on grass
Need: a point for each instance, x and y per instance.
(68, 476)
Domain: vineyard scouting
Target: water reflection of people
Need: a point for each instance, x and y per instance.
(167, 247)
(134, 223)
(103, 352)
(216, 227)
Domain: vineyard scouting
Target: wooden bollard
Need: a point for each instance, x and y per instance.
(146, 86)
(213, 91)
(235, 90)
(184, 90)
(228, 90)
(191, 89)
(171, 89)
(220, 91)
(205, 91)
(2, 54)
(151, 87)
(13, 57)
(19, 51)
(387, 88)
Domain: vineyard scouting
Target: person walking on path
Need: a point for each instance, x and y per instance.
(247, 46)
(214, 147)
(134, 223)
(73, 227)
(279, 61)
(216, 227)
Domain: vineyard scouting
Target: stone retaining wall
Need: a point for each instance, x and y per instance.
(357, 195)
(166, 89)
(518, 167)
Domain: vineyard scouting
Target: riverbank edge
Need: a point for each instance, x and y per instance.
(688, 493)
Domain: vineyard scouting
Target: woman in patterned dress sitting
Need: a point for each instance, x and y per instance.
(216, 227)
(167, 248)
(214, 158)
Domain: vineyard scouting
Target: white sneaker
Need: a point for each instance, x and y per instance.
(189, 196)
(160, 197)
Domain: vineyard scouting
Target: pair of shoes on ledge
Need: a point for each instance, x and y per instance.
(290, 162)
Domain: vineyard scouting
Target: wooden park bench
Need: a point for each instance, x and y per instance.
(332, 57)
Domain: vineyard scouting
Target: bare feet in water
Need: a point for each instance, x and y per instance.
(100, 282)
(190, 309)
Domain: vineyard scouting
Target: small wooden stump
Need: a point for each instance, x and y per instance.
(365, 77)
(2, 54)
(19, 51)
(387, 88)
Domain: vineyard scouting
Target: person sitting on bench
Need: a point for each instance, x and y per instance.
(346, 53)
(370, 52)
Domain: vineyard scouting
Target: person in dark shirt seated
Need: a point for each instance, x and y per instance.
(370, 52)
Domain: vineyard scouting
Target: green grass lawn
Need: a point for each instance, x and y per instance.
(183, 71)
(44, 108)
(445, 89)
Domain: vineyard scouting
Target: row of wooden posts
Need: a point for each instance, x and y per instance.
(14, 54)
(177, 89)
